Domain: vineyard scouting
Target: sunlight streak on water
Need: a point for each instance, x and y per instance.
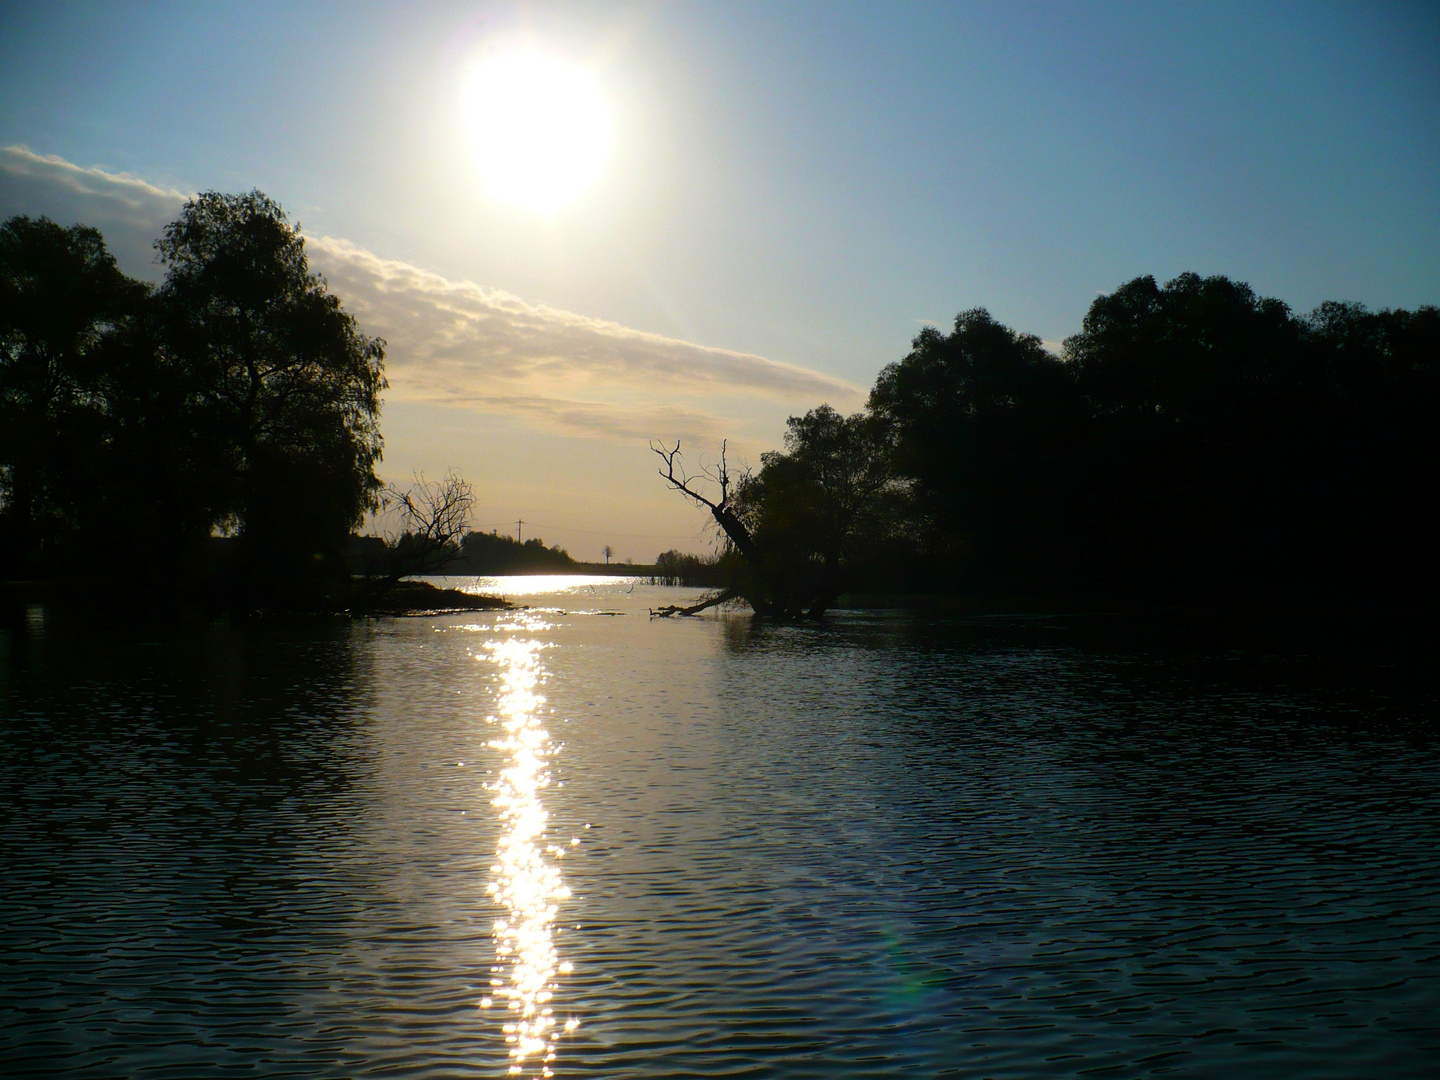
(525, 883)
(560, 585)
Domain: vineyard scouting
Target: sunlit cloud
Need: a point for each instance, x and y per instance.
(458, 341)
(461, 344)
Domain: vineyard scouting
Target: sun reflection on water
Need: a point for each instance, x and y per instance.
(525, 879)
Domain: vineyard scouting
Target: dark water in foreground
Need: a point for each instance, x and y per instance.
(879, 848)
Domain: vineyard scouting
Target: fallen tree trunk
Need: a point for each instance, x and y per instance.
(694, 609)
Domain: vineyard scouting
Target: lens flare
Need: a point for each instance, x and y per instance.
(524, 882)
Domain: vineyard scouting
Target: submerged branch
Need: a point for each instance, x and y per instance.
(694, 609)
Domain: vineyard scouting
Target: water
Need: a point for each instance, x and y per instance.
(691, 848)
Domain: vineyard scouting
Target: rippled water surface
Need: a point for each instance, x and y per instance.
(573, 840)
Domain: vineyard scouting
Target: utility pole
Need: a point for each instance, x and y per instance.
(518, 523)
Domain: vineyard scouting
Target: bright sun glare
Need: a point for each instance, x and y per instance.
(539, 129)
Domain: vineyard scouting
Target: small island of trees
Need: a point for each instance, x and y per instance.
(210, 440)
(1194, 444)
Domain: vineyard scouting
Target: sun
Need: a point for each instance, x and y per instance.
(539, 129)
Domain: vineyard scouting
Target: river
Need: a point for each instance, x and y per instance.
(570, 840)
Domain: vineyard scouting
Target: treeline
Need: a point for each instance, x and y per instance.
(137, 423)
(1193, 443)
(491, 554)
(471, 553)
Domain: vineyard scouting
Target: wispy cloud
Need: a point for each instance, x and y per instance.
(461, 344)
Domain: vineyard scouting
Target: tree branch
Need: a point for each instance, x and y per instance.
(673, 462)
(694, 609)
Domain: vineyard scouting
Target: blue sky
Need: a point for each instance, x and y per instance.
(800, 184)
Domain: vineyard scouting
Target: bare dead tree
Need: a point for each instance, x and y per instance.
(433, 517)
(674, 474)
(426, 523)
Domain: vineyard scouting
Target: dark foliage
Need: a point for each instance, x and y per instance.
(134, 422)
(1195, 443)
(65, 309)
(829, 512)
(1235, 452)
(981, 423)
(283, 386)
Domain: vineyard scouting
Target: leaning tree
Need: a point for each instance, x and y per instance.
(809, 522)
(751, 586)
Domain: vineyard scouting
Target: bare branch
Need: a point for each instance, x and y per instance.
(694, 609)
(675, 475)
(429, 519)
(733, 527)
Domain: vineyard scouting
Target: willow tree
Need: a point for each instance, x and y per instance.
(284, 389)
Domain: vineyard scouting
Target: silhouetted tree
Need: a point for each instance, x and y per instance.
(697, 571)
(825, 509)
(981, 421)
(806, 520)
(1195, 443)
(428, 522)
(1238, 453)
(764, 594)
(433, 518)
(61, 294)
(488, 553)
(284, 389)
(1192, 390)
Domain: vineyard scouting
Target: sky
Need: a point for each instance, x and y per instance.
(788, 194)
